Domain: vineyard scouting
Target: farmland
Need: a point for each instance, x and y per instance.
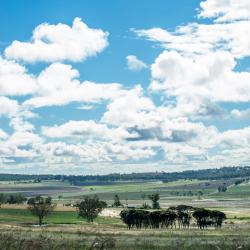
(65, 231)
(64, 227)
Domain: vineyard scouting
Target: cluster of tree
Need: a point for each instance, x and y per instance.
(238, 182)
(89, 208)
(12, 199)
(180, 215)
(222, 188)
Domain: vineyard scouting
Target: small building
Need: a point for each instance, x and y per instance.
(130, 207)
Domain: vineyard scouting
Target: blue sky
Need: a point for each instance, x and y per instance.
(96, 87)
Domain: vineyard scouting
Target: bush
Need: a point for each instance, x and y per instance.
(145, 206)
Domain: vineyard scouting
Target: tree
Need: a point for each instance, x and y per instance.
(200, 193)
(202, 217)
(154, 198)
(3, 198)
(16, 199)
(222, 188)
(117, 202)
(217, 217)
(143, 196)
(89, 208)
(40, 207)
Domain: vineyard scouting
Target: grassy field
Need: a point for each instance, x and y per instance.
(17, 230)
(111, 234)
(61, 217)
(129, 192)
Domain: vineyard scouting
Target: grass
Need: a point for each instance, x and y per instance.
(3, 219)
(56, 216)
(77, 237)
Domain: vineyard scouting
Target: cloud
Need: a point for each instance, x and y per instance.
(199, 39)
(13, 151)
(134, 64)
(124, 110)
(225, 10)
(57, 86)
(10, 108)
(3, 135)
(51, 43)
(139, 116)
(94, 152)
(234, 138)
(20, 138)
(87, 107)
(243, 114)
(14, 79)
(208, 77)
(21, 126)
(79, 129)
(195, 108)
(75, 129)
(175, 130)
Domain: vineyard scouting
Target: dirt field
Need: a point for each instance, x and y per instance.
(42, 191)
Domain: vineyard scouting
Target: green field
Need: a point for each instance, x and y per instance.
(112, 234)
(56, 217)
(129, 191)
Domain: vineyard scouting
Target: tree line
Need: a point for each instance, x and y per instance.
(175, 216)
(12, 199)
(204, 174)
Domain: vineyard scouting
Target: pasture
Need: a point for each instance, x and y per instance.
(130, 192)
(63, 230)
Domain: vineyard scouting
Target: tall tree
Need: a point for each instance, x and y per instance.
(117, 202)
(217, 217)
(40, 207)
(89, 208)
(143, 196)
(154, 198)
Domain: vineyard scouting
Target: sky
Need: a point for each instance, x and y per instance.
(98, 87)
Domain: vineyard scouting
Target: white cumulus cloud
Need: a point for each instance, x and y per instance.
(57, 86)
(210, 77)
(14, 79)
(243, 114)
(59, 42)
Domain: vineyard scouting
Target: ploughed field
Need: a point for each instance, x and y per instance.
(130, 192)
(47, 188)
